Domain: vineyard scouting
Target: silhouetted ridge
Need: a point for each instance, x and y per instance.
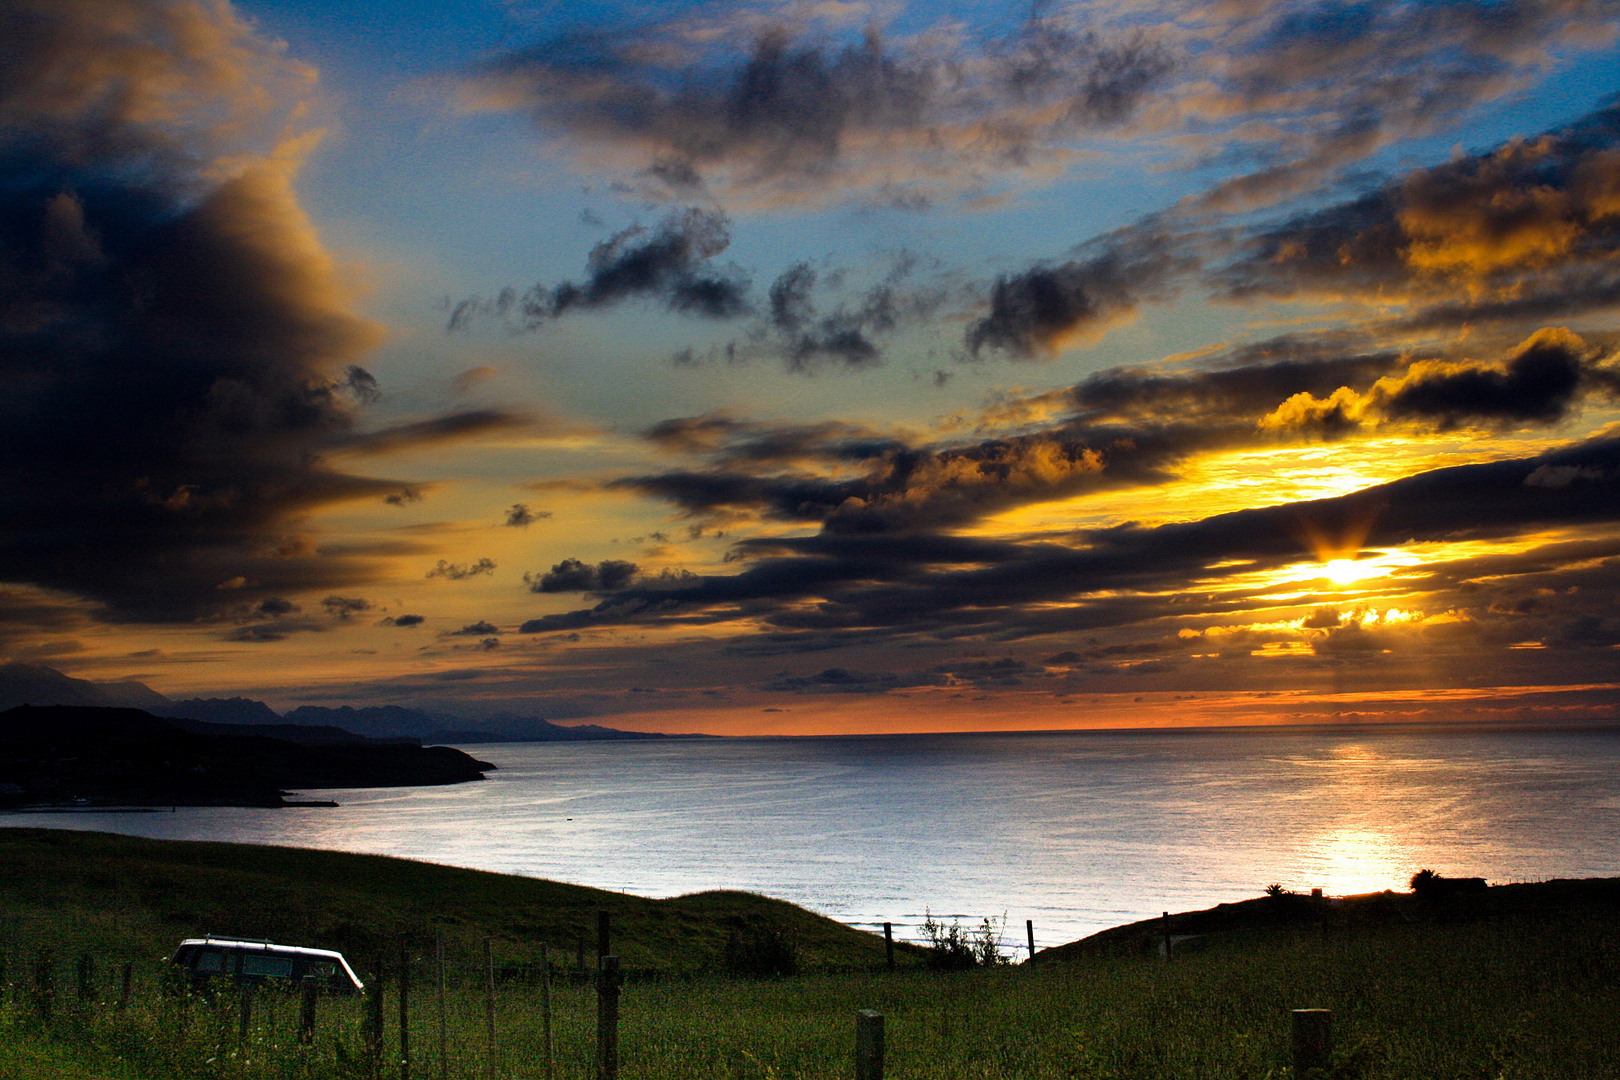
(69, 756)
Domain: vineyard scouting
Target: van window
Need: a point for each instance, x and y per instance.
(319, 969)
(209, 963)
(279, 967)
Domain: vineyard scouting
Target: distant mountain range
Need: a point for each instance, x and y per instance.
(36, 684)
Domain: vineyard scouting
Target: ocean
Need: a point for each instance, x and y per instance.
(1075, 831)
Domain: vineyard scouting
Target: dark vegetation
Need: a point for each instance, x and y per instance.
(1454, 901)
(68, 756)
(1519, 982)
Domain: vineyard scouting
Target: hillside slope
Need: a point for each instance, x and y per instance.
(1330, 915)
(120, 894)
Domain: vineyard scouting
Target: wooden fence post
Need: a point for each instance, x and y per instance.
(608, 980)
(1313, 1040)
(404, 1010)
(888, 944)
(245, 1017)
(1169, 946)
(489, 1008)
(373, 1025)
(128, 985)
(45, 984)
(1029, 928)
(87, 977)
(545, 1002)
(868, 1045)
(444, 1033)
(604, 947)
(306, 1016)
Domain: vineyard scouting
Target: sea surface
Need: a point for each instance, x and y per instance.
(1075, 831)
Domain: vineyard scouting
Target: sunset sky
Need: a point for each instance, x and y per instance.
(819, 366)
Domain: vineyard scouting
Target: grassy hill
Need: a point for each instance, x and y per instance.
(119, 895)
(1521, 982)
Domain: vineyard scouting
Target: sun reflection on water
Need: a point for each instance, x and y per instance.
(1353, 860)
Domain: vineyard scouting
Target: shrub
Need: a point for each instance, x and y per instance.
(948, 946)
(760, 948)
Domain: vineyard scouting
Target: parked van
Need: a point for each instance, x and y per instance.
(258, 961)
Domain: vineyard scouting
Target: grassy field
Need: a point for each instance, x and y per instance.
(1517, 993)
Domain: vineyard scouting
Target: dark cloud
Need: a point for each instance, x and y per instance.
(345, 607)
(791, 304)
(520, 516)
(458, 571)
(945, 585)
(844, 681)
(1291, 96)
(1121, 427)
(1046, 309)
(899, 488)
(1517, 235)
(1524, 232)
(1251, 383)
(572, 575)
(1540, 381)
(405, 620)
(179, 354)
(440, 429)
(845, 327)
(850, 335)
(1339, 81)
(672, 263)
(792, 120)
(479, 629)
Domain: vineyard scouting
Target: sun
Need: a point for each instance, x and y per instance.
(1349, 571)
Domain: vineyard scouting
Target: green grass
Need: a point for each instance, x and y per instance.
(127, 896)
(1522, 995)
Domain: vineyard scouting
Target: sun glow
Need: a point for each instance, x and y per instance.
(1350, 571)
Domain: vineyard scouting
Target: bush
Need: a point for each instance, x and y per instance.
(950, 948)
(759, 948)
